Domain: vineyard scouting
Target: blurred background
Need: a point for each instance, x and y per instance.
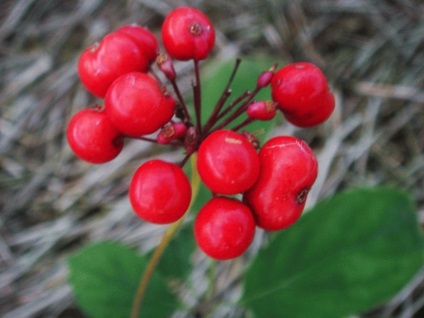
(51, 203)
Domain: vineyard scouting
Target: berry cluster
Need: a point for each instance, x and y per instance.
(251, 185)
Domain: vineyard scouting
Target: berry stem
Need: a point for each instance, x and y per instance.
(246, 122)
(224, 96)
(241, 109)
(197, 93)
(166, 239)
(181, 100)
(233, 104)
(147, 139)
(186, 157)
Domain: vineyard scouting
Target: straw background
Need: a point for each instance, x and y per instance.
(51, 203)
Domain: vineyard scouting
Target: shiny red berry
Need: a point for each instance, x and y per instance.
(100, 64)
(301, 90)
(145, 40)
(160, 192)
(288, 170)
(227, 162)
(137, 104)
(314, 118)
(92, 136)
(187, 34)
(224, 228)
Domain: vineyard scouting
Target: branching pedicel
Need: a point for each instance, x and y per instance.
(273, 180)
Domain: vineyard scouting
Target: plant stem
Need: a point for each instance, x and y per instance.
(233, 104)
(212, 280)
(245, 122)
(181, 100)
(224, 96)
(197, 93)
(240, 110)
(166, 239)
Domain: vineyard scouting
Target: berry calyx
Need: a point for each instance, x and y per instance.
(92, 136)
(288, 170)
(224, 228)
(227, 162)
(301, 90)
(138, 105)
(160, 192)
(100, 64)
(187, 34)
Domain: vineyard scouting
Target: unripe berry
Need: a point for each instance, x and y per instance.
(138, 105)
(227, 162)
(288, 170)
(188, 34)
(160, 192)
(224, 228)
(92, 136)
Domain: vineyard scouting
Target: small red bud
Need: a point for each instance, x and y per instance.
(262, 110)
(171, 131)
(265, 77)
(166, 65)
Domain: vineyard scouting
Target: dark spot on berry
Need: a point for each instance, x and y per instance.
(195, 28)
(301, 196)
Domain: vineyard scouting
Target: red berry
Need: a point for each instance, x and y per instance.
(313, 119)
(301, 90)
(262, 110)
(288, 170)
(102, 63)
(137, 104)
(146, 40)
(92, 136)
(227, 162)
(187, 34)
(224, 228)
(160, 192)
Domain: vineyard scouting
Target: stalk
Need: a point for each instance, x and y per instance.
(166, 239)
(197, 93)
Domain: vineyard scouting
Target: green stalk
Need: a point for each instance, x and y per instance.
(166, 239)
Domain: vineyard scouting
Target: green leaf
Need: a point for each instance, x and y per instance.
(105, 276)
(175, 263)
(217, 77)
(347, 255)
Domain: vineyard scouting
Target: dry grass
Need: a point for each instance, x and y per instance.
(51, 203)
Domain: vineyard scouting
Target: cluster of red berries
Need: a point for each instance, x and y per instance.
(251, 185)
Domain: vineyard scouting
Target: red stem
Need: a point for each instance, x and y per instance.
(197, 97)
(224, 96)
